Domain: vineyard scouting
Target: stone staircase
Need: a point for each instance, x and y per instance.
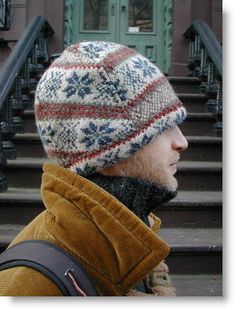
(191, 223)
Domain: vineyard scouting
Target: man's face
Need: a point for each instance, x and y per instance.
(156, 162)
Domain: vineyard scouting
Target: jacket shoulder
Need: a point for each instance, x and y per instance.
(25, 281)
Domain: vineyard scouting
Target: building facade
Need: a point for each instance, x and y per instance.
(154, 27)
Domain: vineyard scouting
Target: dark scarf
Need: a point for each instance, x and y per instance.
(140, 196)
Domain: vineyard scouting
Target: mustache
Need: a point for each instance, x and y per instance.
(174, 159)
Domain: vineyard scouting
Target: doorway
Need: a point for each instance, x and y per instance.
(138, 24)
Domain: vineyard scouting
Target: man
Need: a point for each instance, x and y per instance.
(108, 118)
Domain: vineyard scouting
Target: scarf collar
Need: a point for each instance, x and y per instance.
(140, 196)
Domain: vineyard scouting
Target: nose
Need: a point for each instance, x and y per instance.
(180, 142)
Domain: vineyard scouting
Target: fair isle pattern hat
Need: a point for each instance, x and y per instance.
(100, 102)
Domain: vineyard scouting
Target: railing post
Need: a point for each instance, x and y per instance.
(3, 179)
(218, 114)
(205, 62)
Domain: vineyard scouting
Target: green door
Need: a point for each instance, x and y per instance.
(135, 23)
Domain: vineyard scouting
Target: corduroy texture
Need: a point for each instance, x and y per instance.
(99, 103)
(115, 247)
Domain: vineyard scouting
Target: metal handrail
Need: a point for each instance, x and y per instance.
(18, 79)
(19, 55)
(209, 40)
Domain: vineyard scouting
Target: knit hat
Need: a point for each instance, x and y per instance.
(100, 102)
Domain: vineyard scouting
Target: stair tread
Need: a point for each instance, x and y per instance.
(184, 197)
(184, 79)
(27, 162)
(200, 115)
(27, 136)
(197, 285)
(202, 165)
(26, 195)
(205, 139)
(191, 95)
(192, 237)
(177, 238)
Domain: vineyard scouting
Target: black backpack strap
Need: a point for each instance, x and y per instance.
(59, 266)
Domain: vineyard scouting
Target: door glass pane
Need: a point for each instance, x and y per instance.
(95, 15)
(140, 16)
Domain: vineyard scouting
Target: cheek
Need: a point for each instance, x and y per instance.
(157, 156)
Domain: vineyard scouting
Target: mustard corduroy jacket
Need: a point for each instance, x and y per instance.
(115, 247)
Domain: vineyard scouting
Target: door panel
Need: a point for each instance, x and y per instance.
(138, 26)
(97, 20)
(135, 23)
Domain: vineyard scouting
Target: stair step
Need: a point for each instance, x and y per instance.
(26, 172)
(185, 84)
(29, 121)
(192, 209)
(197, 285)
(201, 148)
(29, 145)
(188, 209)
(193, 251)
(7, 233)
(196, 250)
(194, 102)
(199, 176)
(19, 206)
(199, 124)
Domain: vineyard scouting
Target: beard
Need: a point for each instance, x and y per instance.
(148, 169)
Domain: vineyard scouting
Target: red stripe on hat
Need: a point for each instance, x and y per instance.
(115, 57)
(71, 66)
(74, 110)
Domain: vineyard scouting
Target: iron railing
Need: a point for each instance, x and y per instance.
(205, 62)
(18, 79)
(5, 8)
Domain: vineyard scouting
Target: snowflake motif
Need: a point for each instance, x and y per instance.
(108, 88)
(50, 84)
(67, 137)
(143, 65)
(164, 124)
(136, 146)
(78, 85)
(93, 51)
(97, 135)
(180, 117)
(47, 134)
(111, 157)
(132, 78)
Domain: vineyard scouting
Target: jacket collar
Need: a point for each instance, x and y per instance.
(114, 245)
